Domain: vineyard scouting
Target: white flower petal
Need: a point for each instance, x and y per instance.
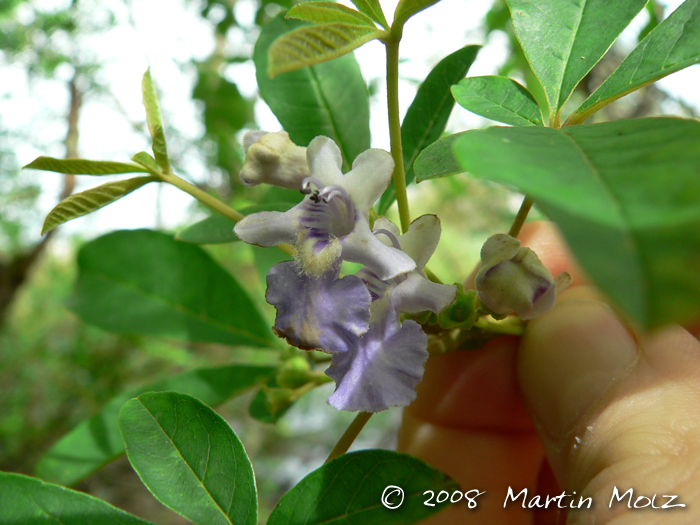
(382, 223)
(370, 176)
(417, 294)
(268, 228)
(421, 239)
(325, 161)
(362, 246)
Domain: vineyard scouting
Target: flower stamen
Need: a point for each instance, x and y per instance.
(392, 237)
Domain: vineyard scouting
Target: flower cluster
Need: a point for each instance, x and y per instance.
(377, 360)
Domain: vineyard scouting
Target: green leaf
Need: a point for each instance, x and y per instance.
(500, 99)
(328, 99)
(155, 124)
(427, 115)
(30, 501)
(328, 13)
(626, 196)
(349, 490)
(215, 229)
(265, 259)
(87, 201)
(437, 160)
(564, 40)
(407, 8)
(145, 160)
(189, 458)
(144, 282)
(671, 46)
(82, 166)
(373, 10)
(97, 441)
(311, 45)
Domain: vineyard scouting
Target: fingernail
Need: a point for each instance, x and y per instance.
(569, 359)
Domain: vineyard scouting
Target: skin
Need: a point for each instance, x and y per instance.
(582, 402)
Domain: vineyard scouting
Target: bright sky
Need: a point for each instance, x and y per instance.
(167, 40)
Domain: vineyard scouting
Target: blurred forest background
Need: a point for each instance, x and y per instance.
(62, 94)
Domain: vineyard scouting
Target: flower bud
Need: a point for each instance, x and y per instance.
(294, 373)
(274, 159)
(278, 399)
(513, 279)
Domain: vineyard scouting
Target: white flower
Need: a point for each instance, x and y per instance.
(331, 223)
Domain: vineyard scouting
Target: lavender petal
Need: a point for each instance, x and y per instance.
(382, 370)
(318, 313)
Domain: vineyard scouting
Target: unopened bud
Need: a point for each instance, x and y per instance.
(294, 373)
(513, 279)
(272, 158)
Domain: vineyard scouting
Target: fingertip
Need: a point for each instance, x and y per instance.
(569, 358)
(473, 389)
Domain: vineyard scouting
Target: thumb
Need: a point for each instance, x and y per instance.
(614, 411)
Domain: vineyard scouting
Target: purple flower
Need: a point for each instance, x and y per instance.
(513, 279)
(318, 313)
(384, 367)
(331, 223)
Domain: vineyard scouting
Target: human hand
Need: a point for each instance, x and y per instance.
(610, 410)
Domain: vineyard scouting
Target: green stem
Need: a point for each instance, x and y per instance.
(392, 93)
(305, 389)
(432, 276)
(203, 197)
(350, 435)
(213, 203)
(521, 216)
(555, 120)
(321, 378)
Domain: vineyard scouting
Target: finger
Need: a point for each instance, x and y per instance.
(613, 409)
(469, 422)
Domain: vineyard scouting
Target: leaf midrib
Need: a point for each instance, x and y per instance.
(172, 442)
(566, 62)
